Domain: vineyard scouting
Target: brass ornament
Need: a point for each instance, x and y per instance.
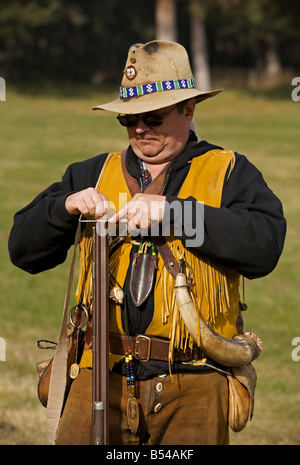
(133, 415)
(74, 370)
(117, 295)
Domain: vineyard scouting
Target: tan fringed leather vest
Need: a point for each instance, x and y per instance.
(215, 288)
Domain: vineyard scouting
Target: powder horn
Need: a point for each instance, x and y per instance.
(239, 351)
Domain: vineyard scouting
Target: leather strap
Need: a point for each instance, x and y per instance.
(151, 348)
(58, 378)
(154, 188)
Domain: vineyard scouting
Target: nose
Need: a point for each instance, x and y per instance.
(141, 126)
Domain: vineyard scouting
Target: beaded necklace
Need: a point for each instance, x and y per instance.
(132, 404)
(146, 175)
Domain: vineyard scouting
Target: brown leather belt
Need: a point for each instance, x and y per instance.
(146, 348)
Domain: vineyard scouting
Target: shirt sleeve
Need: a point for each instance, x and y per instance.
(44, 230)
(247, 232)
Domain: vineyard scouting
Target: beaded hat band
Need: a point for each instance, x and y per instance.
(161, 86)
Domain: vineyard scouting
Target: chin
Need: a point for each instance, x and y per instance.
(147, 150)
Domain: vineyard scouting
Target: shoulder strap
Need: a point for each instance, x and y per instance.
(59, 368)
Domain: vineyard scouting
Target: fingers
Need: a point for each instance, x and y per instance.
(142, 212)
(102, 208)
(119, 215)
(88, 202)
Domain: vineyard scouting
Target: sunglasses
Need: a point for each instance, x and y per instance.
(150, 119)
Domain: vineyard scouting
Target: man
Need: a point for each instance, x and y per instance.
(207, 213)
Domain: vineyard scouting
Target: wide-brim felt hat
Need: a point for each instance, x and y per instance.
(156, 75)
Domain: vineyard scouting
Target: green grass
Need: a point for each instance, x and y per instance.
(40, 135)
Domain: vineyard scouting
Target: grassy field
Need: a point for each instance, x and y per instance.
(41, 133)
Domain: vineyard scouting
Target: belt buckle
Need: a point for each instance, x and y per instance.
(136, 350)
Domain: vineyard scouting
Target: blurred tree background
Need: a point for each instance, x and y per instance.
(236, 41)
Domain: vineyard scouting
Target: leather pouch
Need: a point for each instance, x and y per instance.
(142, 277)
(242, 384)
(44, 370)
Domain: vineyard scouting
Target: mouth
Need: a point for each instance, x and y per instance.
(146, 139)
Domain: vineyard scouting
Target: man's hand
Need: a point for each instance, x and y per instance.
(88, 202)
(142, 211)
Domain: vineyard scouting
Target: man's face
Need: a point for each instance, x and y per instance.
(161, 144)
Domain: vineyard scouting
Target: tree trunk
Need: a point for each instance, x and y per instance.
(199, 47)
(273, 67)
(165, 19)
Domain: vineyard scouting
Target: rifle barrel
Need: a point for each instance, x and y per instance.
(100, 346)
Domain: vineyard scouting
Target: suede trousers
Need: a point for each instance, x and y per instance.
(191, 409)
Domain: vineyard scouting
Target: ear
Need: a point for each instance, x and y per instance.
(189, 109)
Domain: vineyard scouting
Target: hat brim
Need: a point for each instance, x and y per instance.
(155, 101)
